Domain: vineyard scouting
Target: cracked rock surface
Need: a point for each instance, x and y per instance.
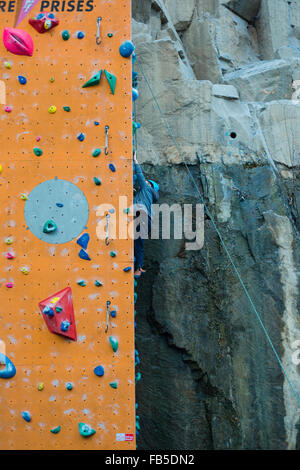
(225, 74)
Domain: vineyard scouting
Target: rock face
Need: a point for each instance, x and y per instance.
(225, 74)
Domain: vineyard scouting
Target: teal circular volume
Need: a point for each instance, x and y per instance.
(70, 216)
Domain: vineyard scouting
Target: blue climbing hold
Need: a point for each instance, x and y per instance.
(83, 240)
(97, 123)
(69, 386)
(112, 167)
(80, 35)
(59, 204)
(48, 311)
(135, 94)
(9, 371)
(127, 269)
(22, 80)
(64, 326)
(81, 137)
(113, 313)
(126, 49)
(26, 416)
(99, 370)
(83, 255)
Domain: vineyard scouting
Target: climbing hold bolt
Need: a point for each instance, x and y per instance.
(69, 386)
(8, 109)
(81, 137)
(9, 371)
(64, 326)
(67, 109)
(83, 240)
(96, 152)
(52, 109)
(65, 35)
(126, 49)
(85, 430)
(84, 255)
(112, 167)
(114, 384)
(40, 386)
(80, 35)
(99, 370)
(7, 65)
(97, 181)
(95, 80)
(98, 283)
(114, 343)
(38, 152)
(81, 283)
(49, 227)
(26, 416)
(55, 430)
(22, 80)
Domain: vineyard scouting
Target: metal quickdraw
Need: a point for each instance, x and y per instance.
(106, 140)
(107, 315)
(98, 38)
(107, 241)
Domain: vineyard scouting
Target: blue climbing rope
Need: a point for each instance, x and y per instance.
(296, 395)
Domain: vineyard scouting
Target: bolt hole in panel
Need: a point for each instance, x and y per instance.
(43, 164)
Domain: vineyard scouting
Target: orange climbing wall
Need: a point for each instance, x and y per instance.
(38, 355)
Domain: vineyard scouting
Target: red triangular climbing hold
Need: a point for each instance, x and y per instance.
(61, 322)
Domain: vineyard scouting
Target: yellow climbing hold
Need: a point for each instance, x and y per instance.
(24, 197)
(55, 299)
(7, 65)
(8, 241)
(24, 270)
(0, 169)
(52, 109)
(40, 386)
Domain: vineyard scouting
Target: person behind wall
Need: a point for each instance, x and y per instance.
(147, 194)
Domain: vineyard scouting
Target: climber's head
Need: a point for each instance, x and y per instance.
(154, 185)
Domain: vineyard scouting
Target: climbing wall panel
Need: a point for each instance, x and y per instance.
(57, 185)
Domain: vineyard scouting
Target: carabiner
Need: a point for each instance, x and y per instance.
(107, 315)
(98, 39)
(107, 242)
(106, 140)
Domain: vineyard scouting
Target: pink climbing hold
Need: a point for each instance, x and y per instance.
(8, 109)
(38, 138)
(17, 41)
(10, 255)
(9, 285)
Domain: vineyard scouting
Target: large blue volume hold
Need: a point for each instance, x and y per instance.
(126, 49)
(9, 371)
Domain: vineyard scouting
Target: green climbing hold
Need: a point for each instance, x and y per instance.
(114, 384)
(113, 254)
(38, 152)
(135, 297)
(49, 227)
(96, 152)
(58, 309)
(126, 211)
(114, 343)
(112, 80)
(135, 283)
(95, 80)
(65, 35)
(67, 108)
(56, 430)
(98, 283)
(81, 283)
(97, 181)
(110, 35)
(138, 377)
(86, 430)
